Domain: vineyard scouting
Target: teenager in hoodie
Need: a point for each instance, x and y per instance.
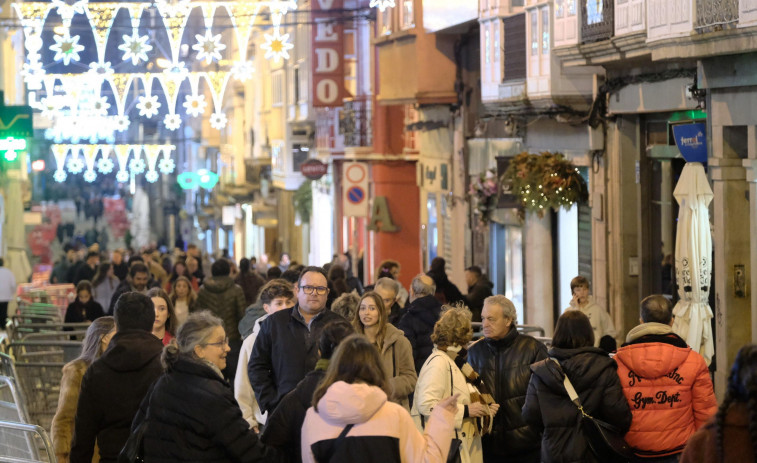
(353, 396)
(225, 299)
(594, 377)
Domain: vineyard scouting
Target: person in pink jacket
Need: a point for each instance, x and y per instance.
(666, 383)
(352, 401)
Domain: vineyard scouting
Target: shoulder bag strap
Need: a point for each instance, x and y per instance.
(338, 442)
(570, 389)
(451, 390)
(394, 363)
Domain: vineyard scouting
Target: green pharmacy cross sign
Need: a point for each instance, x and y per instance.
(203, 178)
(15, 128)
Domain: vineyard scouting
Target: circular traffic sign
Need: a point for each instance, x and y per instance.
(355, 173)
(355, 195)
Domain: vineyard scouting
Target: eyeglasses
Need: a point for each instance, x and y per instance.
(225, 342)
(319, 290)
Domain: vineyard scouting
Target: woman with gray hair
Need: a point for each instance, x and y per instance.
(191, 414)
(95, 342)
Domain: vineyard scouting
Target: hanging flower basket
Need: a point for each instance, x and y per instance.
(544, 181)
(483, 193)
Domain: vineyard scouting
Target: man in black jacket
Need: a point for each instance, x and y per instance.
(479, 288)
(286, 348)
(115, 384)
(420, 317)
(138, 281)
(503, 359)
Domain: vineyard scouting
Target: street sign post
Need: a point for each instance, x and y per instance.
(355, 189)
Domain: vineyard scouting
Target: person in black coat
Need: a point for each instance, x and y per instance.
(479, 288)
(84, 308)
(595, 378)
(446, 291)
(286, 348)
(88, 269)
(420, 317)
(284, 427)
(115, 384)
(503, 359)
(190, 412)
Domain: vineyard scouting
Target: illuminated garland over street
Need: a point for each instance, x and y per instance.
(83, 158)
(75, 101)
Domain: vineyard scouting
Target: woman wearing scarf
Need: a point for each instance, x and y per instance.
(445, 373)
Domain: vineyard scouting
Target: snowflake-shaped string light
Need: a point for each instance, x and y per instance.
(172, 121)
(135, 48)
(152, 176)
(166, 165)
(218, 120)
(60, 176)
(178, 70)
(122, 123)
(105, 165)
(90, 176)
(75, 165)
(242, 70)
(148, 105)
(195, 105)
(382, 4)
(100, 70)
(49, 107)
(208, 47)
(137, 166)
(100, 106)
(66, 48)
(64, 8)
(276, 45)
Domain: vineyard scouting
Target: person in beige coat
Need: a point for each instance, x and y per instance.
(95, 342)
(441, 377)
(371, 320)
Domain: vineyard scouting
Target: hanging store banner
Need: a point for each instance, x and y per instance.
(328, 53)
(691, 140)
(355, 189)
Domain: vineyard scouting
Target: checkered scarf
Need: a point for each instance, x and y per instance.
(481, 395)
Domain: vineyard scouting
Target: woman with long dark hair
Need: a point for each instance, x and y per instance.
(165, 324)
(593, 374)
(95, 342)
(353, 398)
(731, 435)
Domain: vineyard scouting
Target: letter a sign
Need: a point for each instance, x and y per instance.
(328, 53)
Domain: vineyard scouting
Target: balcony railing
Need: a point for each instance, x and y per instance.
(714, 15)
(597, 20)
(355, 123)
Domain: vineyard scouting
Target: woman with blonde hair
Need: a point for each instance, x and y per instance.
(395, 350)
(98, 336)
(446, 373)
(183, 297)
(351, 414)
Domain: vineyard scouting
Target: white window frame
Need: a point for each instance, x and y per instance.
(277, 88)
(403, 12)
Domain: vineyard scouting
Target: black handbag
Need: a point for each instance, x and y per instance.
(605, 440)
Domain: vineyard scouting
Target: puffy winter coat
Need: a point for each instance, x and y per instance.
(192, 416)
(737, 443)
(224, 298)
(285, 350)
(111, 391)
(383, 431)
(418, 324)
(504, 366)
(440, 378)
(549, 409)
(668, 388)
(62, 428)
(284, 427)
(250, 283)
(397, 360)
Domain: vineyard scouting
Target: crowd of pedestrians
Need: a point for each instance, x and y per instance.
(285, 363)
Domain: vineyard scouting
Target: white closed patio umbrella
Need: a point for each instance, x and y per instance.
(694, 260)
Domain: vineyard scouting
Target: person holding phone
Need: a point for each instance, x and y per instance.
(601, 322)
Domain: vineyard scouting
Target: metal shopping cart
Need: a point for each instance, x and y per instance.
(38, 367)
(59, 295)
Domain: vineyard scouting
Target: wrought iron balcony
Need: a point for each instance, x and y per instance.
(715, 15)
(355, 123)
(597, 20)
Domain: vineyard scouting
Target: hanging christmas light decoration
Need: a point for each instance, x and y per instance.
(208, 47)
(105, 165)
(66, 48)
(129, 160)
(382, 4)
(135, 48)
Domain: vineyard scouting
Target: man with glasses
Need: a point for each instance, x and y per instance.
(286, 348)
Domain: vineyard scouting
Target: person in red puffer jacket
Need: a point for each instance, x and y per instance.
(666, 383)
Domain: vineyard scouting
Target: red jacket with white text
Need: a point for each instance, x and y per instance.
(668, 388)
